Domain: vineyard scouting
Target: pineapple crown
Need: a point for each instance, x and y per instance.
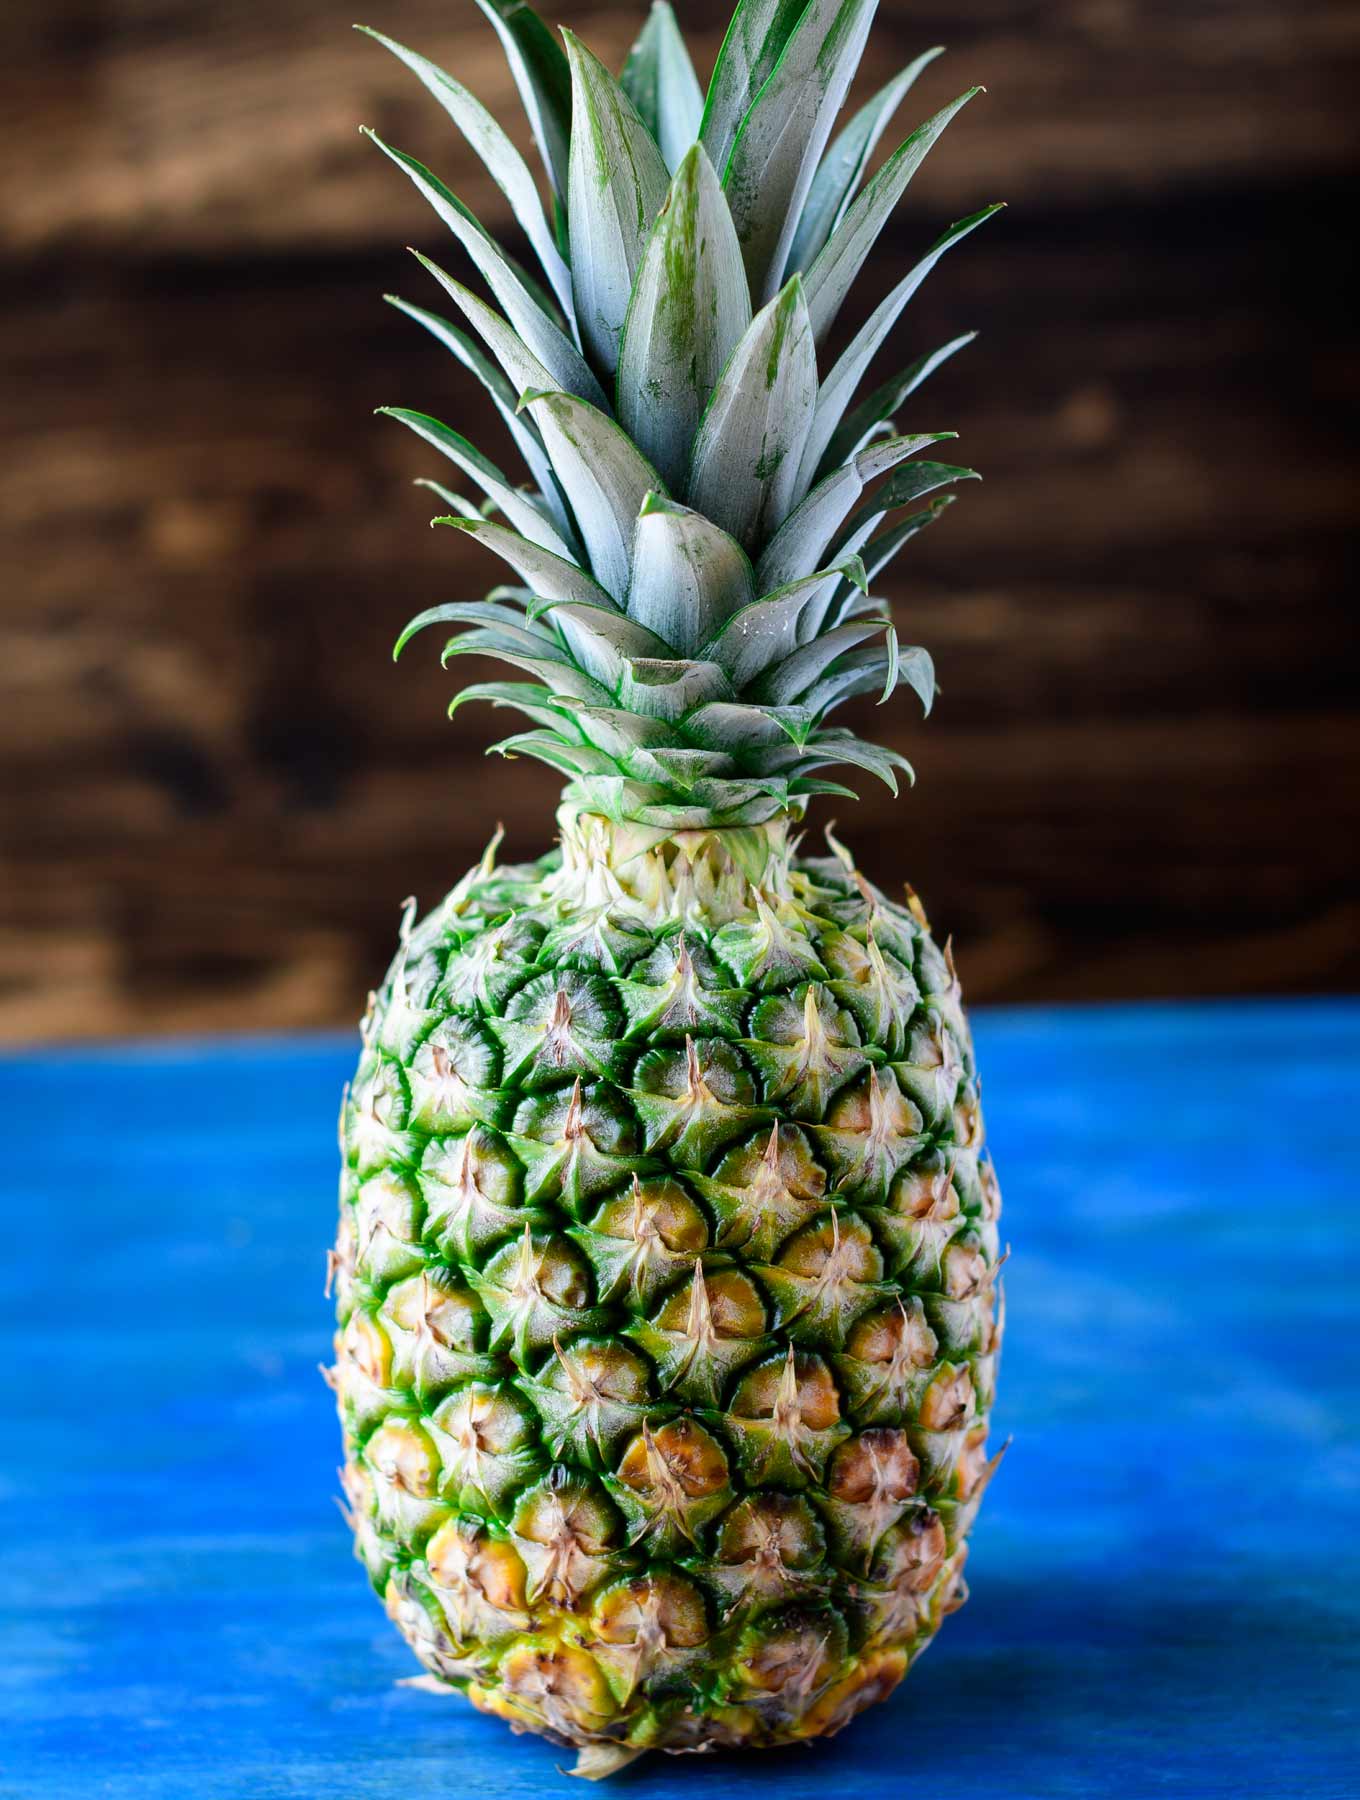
(709, 512)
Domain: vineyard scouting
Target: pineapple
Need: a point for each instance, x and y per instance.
(666, 1268)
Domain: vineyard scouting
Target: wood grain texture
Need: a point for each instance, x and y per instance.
(1141, 775)
(1154, 1610)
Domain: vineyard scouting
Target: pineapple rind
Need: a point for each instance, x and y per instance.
(666, 1292)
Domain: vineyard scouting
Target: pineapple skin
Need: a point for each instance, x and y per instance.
(666, 1291)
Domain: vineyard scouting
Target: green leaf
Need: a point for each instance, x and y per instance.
(549, 663)
(504, 163)
(884, 402)
(504, 396)
(545, 340)
(842, 168)
(768, 630)
(831, 749)
(535, 702)
(458, 504)
(548, 575)
(665, 688)
(618, 184)
(750, 440)
(548, 747)
(881, 550)
(604, 476)
(754, 42)
(689, 307)
(783, 135)
(478, 612)
(522, 368)
(601, 641)
(688, 574)
(791, 679)
(518, 508)
(800, 541)
(906, 484)
(659, 79)
(829, 279)
(731, 726)
(542, 77)
(838, 389)
(856, 672)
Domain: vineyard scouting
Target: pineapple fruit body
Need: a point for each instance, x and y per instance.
(666, 1291)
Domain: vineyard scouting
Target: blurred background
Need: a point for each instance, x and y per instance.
(1141, 776)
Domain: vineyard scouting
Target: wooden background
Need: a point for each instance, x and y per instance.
(1141, 776)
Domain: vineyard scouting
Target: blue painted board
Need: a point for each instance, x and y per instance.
(1166, 1575)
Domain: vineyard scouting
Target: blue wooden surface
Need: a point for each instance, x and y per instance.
(1166, 1581)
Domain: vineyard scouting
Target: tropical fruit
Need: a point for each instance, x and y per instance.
(666, 1267)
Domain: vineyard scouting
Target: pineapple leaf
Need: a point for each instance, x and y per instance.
(829, 279)
(842, 168)
(880, 551)
(839, 387)
(548, 747)
(617, 185)
(537, 703)
(754, 42)
(556, 670)
(545, 339)
(617, 731)
(543, 79)
(769, 629)
(518, 508)
(550, 576)
(797, 546)
(504, 163)
(793, 678)
(688, 574)
(731, 726)
(751, 437)
(522, 430)
(906, 484)
(522, 368)
(688, 310)
(830, 748)
(604, 476)
(665, 688)
(781, 139)
(659, 79)
(600, 640)
(884, 402)
(856, 672)
(476, 612)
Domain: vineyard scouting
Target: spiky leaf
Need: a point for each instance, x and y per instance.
(842, 168)
(838, 389)
(829, 279)
(618, 183)
(880, 406)
(753, 434)
(517, 506)
(688, 574)
(659, 79)
(753, 45)
(797, 546)
(550, 576)
(542, 77)
(544, 338)
(504, 163)
(604, 476)
(781, 138)
(688, 311)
